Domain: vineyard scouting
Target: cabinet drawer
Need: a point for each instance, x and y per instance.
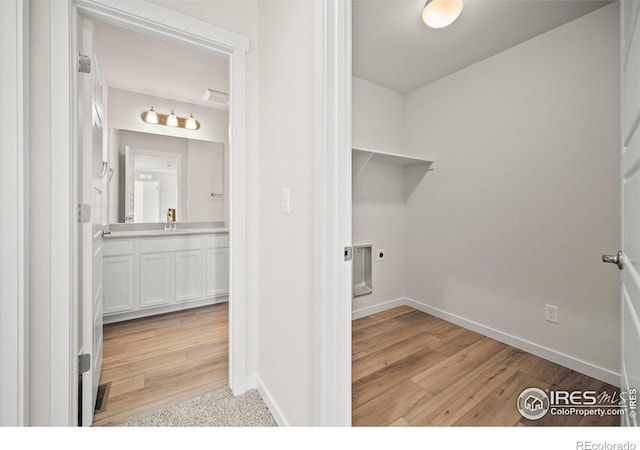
(218, 241)
(170, 244)
(118, 247)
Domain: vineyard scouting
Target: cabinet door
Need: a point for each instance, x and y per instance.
(217, 271)
(155, 279)
(118, 284)
(188, 275)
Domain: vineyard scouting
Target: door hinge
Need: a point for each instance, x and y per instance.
(84, 363)
(84, 213)
(348, 253)
(84, 63)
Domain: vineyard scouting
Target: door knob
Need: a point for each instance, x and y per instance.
(614, 259)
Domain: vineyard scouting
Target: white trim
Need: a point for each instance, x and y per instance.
(14, 355)
(153, 19)
(252, 382)
(274, 409)
(237, 224)
(63, 403)
(364, 312)
(331, 384)
(136, 15)
(565, 360)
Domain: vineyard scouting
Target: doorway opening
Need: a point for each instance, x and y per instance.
(164, 200)
(450, 301)
(66, 299)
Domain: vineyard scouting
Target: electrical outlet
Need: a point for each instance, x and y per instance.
(381, 254)
(551, 313)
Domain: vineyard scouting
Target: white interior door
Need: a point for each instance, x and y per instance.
(90, 116)
(629, 257)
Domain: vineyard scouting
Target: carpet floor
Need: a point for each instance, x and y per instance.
(214, 409)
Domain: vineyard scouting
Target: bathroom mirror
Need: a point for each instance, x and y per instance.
(152, 185)
(157, 172)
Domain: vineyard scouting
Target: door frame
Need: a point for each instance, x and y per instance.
(14, 227)
(332, 214)
(141, 16)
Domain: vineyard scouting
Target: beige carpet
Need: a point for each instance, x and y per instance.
(214, 409)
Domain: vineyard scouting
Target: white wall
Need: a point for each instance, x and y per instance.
(524, 197)
(378, 214)
(286, 142)
(378, 195)
(378, 117)
(378, 217)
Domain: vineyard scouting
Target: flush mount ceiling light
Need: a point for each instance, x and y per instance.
(441, 13)
(171, 120)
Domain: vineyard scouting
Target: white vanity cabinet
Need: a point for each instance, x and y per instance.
(155, 274)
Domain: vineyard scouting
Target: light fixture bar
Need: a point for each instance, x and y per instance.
(188, 123)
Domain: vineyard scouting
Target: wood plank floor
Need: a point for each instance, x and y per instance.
(162, 360)
(413, 369)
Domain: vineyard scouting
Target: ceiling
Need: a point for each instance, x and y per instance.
(139, 63)
(393, 48)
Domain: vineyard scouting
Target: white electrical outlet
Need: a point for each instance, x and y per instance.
(381, 254)
(551, 313)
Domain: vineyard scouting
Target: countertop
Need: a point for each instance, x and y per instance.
(164, 233)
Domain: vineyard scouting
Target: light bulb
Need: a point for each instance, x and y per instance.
(151, 117)
(172, 120)
(441, 13)
(191, 123)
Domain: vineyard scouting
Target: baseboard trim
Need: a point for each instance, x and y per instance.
(364, 312)
(570, 362)
(275, 410)
(251, 382)
(154, 311)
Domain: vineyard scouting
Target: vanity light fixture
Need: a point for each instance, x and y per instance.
(171, 120)
(190, 124)
(150, 116)
(441, 13)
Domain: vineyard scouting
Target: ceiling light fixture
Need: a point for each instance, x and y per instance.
(171, 120)
(441, 13)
